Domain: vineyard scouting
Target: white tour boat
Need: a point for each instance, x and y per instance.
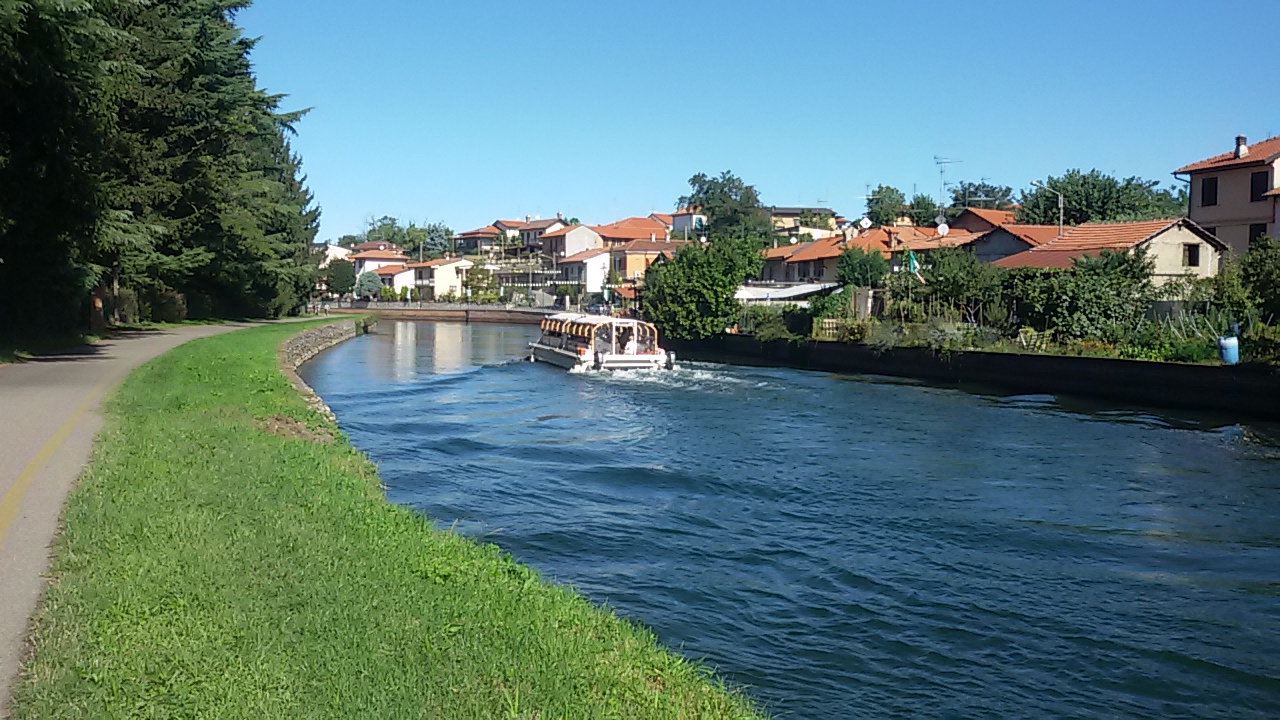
(597, 342)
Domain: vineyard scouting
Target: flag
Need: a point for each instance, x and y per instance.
(913, 267)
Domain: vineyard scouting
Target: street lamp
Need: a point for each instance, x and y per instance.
(1042, 186)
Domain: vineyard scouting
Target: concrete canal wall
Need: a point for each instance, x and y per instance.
(450, 313)
(1239, 391)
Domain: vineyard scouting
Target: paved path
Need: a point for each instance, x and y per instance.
(49, 414)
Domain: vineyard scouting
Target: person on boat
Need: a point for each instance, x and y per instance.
(631, 347)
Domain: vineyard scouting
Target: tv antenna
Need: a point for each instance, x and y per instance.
(942, 164)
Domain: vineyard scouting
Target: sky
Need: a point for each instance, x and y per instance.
(475, 110)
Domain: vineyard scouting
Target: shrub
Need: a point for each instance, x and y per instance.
(169, 306)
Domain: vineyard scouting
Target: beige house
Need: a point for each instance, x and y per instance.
(1233, 194)
(1179, 247)
(631, 260)
(438, 279)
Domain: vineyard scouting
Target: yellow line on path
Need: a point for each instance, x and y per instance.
(13, 498)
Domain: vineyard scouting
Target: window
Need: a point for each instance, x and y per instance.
(1258, 186)
(1191, 255)
(1212, 231)
(1208, 191)
(1256, 231)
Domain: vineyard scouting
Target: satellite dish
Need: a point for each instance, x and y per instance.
(864, 223)
(943, 229)
(793, 241)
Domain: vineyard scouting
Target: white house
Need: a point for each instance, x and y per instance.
(687, 219)
(588, 269)
(570, 240)
(396, 277)
(531, 232)
(371, 260)
(436, 279)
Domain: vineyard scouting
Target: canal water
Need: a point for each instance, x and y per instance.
(850, 546)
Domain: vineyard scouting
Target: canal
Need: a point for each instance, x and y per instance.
(846, 546)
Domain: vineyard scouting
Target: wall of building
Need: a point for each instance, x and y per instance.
(1231, 217)
(999, 244)
(1167, 250)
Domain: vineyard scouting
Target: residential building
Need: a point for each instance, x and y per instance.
(632, 259)
(687, 221)
(395, 276)
(370, 260)
(331, 253)
(375, 245)
(1178, 247)
(510, 227)
(438, 279)
(532, 231)
(588, 270)
(485, 239)
(570, 240)
(667, 219)
(1005, 240)
(630, 229)
(1232, 194)
(776, 268)
(786, 218)
(815, 261)
(980, 220)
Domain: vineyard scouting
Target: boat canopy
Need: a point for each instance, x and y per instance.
(587, 327)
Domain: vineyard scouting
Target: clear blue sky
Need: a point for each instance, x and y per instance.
(473, 110)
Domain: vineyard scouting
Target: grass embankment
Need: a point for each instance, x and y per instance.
(211, 568)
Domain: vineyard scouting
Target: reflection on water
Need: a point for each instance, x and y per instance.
(850, 547)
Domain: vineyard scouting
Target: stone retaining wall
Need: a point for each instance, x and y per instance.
(306, 345)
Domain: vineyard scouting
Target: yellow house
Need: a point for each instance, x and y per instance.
(1233, 195)
(631, 260)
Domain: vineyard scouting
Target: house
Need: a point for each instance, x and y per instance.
(570, 240)
(532, 231)
(1233, 194)
(331, 253)
(667, 219)
(1005, 240)
(630, 229)
(370, 260)
(510, 227)
(587, 269)
(395, 276)
(438, 279)
(786, 218)
(815, 261)
(775, 268)
(485, 239)
(980, 220)
(906, 241)
(687, 220)
(1178, 246)
(632, 259)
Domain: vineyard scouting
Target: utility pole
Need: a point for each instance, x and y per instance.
(1042, 186)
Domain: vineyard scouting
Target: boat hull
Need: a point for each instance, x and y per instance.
(605, 361)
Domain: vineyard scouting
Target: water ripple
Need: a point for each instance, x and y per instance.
(852, 546)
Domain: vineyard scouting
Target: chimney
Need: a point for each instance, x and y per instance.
(559, 216)
(527, 219)
(1242, 149)
(653, 237)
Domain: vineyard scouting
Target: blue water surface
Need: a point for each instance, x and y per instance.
(849, 546)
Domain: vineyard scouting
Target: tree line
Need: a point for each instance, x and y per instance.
(1087, 197)
(139, 156)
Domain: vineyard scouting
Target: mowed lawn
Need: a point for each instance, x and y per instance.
(212, 568)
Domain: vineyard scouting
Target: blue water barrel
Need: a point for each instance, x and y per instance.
(1229, 350)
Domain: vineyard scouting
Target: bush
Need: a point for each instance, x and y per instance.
(129, 306)
(169, 306)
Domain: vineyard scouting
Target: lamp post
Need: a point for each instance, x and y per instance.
(1042, 186)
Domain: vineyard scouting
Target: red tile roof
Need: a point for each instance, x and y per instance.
(633, 228)
(1033, 235)
(663, 218)
(646, 246)
(437, 262)
(391, 269)
(995, 217)
(1091, 239)
(584, 255)
(510, 223)
(488, 231)
(379, 255)
(823, 249)
(1259, 152)
(1272, 193)
(687, 211)
(564, 231)
(782, 252)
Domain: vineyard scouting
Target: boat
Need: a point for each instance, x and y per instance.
(597, 342)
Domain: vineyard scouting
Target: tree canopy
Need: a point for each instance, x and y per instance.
(982, 195)
(732, 207)
(886, 205)
(861, 267)
(432, 240)
(137, 151)
(1097, 197)
(692, 295)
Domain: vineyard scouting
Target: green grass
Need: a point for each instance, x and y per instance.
(211, 569)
